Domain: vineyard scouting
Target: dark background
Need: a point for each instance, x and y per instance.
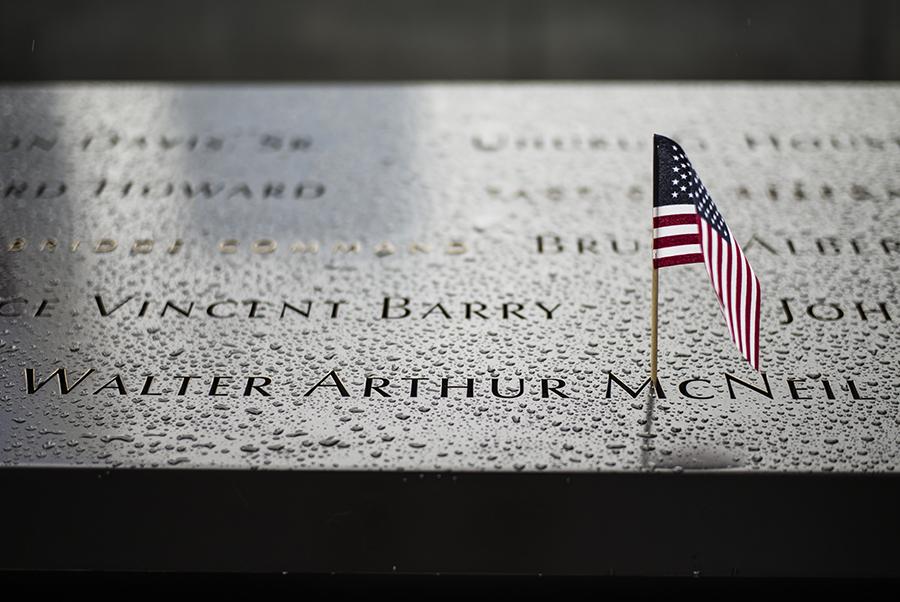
(303, 40)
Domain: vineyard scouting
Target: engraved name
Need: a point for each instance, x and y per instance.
(385, 308)
(90, 381)
(162, 189)
(555, 244)
(159, 142)
(808, 142)
(231, 246)
(795, 191)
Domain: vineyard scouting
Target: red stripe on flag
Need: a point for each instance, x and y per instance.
(726, 292)
(720, 273)
(746, 310)
(674, 220)
(757, 329)
(674, 241)
(735, 296)
(739, 301)
(716, 262)
(678, 260)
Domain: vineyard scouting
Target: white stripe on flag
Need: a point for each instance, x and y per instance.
(753, 325)
(674, 230)
(715, 260)
(732, 297)
(680, 209)
(704, 244)
(742, 304)
(723, 280)
(673, 251)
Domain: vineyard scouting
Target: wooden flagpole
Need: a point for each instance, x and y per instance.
(654, 294)
(654, 304)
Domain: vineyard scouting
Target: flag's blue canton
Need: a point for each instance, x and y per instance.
(678, 183)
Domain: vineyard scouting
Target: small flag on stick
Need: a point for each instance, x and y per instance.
(688, 228)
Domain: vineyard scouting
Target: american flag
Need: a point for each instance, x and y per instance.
(687, 228)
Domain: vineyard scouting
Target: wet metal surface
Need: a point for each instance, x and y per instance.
(440, 278)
